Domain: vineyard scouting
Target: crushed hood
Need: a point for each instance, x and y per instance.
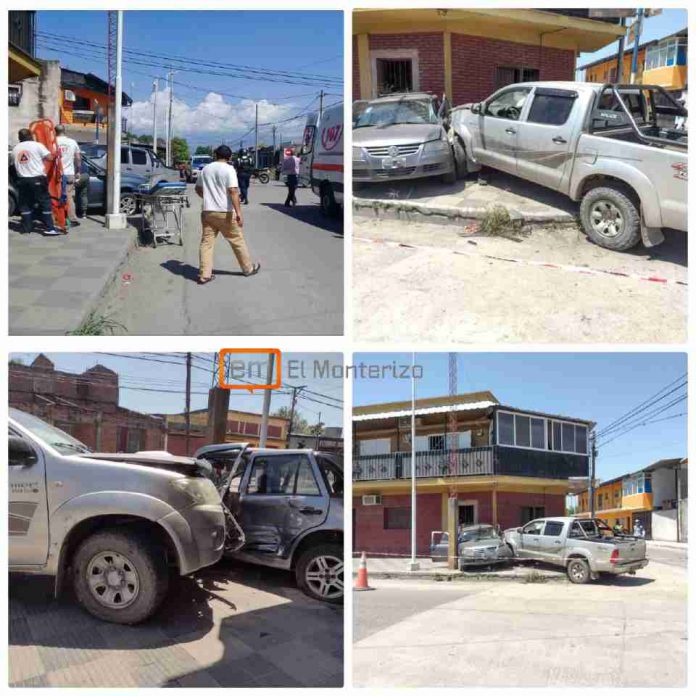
(158, 460)
(397, 134)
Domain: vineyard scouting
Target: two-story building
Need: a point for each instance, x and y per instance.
(504, 465)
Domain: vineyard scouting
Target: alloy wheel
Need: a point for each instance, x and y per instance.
(324, 576)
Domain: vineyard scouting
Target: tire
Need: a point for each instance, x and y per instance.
(141, 566)
(459, 158)
(128, 204)
(264, 178)
(611, 209)
(12, 205)
(451, 177)
(310, 563)
(578, 571)
(328, 202)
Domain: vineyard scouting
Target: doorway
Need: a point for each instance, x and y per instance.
(467, 514)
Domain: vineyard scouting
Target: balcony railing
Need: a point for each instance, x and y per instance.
(472, 461)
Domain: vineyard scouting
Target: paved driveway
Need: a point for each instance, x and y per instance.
(230, 626)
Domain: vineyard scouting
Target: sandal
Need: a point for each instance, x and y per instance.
(254, 270)
(205, 281)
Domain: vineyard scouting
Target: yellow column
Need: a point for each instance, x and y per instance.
(494, 505)
(364, 66)
(448, 65)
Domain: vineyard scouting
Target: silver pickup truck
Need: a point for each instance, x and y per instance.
(115, 523)
(613, 148)
(585, 548)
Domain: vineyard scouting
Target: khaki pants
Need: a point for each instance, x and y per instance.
(70, 191)
(226, 224)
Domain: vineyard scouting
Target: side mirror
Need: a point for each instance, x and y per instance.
(21, 453)
(476, 108)
(519, 530)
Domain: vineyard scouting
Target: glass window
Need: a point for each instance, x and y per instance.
(581, 439)
(332, 475)
(506, 429)
(273, 475)
(507, 105)
(568, 437)
(306, 483)
(397, 518)
(538, 433)
(124, 156)
(553, 529)
(533, 528)
(551, 109)
(522, 434)
(139, 156)
(557, 443)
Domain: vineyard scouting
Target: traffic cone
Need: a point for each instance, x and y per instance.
(361, 582)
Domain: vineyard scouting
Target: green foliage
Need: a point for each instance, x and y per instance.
(180, 150)
(97, 325)
(299, 424)
(204, 150)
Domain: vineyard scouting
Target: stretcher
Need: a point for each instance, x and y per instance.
(162, 211)
(44, 132)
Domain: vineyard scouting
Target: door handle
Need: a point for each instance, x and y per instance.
(511, 131)
(558, 543)
(559, 140)
(308, 510)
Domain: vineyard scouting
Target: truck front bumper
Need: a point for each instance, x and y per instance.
(198, 533)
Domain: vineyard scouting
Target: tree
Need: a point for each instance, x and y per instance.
(299, 424)
(146, 139)
(180, 150)
(204, 150)
(316, 429)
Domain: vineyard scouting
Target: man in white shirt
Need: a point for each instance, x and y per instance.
(29, 157)
(217, 185)
(71, 158)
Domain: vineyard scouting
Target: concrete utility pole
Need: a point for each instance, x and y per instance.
(620, 54)
(593, 458)
(115, 220)
(636, 43)
(274, 140)
(188, 404)
(295, 390)
(413, 565)
(321, 103)
(155, 87)
(266, 402)
(256, 138)
(170, 82)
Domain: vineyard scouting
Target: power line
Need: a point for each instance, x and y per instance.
(650, 422)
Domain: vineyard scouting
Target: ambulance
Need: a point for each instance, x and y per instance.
(322, 158)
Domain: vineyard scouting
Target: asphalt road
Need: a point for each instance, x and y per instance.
(675, 557)
(231, 625)
(299, 290)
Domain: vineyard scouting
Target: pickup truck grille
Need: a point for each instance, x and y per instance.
(384, 151)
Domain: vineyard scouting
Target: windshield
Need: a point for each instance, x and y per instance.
(478, 534)
(49, 434)
(390, 113)
(203, 159)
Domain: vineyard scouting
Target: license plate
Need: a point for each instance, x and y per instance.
(393, 162)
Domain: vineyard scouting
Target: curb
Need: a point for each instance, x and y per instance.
(461, 577)
(451, 214)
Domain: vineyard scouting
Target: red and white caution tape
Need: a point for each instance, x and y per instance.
(527, 262)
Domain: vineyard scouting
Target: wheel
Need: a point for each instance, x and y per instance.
(119, 576)
(610, 218)
(328, 203)
(264, 178)
(129, 204)
(578, 571)
(451, 176)
(459, 158)
(319, 573)
(12, 205)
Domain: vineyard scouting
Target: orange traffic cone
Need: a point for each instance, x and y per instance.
(361, 582)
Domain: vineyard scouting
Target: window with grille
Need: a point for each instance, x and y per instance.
(505, 75)
(15, 94)
(394, 75)
(397, 518)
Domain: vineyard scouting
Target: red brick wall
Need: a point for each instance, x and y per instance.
(510, 506)
(371, 536)
(475, 59)
(356, 70)
(431, 56)
(176, 443)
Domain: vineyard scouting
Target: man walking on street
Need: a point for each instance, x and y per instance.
(217, 185)
(291, 167)
(29, 157)
(71, 158)
(244, 176)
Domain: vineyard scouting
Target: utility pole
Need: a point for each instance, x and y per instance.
(155, 87)
(636, 41)
(593, 465)
(115, 220)
(274, 140)
(316, 437)
(413, 565)
(256, 138)
(188, 403)
(292, 412)
(266, 402)
(620, 54)
(170, 81)
(321, 103)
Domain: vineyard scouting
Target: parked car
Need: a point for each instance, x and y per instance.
(289, 506)
(602, 145)
(322, 158)
(96, 194)
(112, 524)
(403, 136)
(585, 548)
(197, 163)
(135, 159)
(477, 545)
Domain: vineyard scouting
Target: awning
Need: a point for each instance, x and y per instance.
(21, 65)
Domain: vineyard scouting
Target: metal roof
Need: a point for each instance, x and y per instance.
(472, 406)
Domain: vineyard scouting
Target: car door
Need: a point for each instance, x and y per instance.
(529, 545)
(498, 126)
(546, 135)
(550, 541)
(28, 503)
(309, 504)
(96, 192)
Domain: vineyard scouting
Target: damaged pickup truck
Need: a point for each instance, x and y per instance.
(114, 524)
(585, 548)
(613, 148)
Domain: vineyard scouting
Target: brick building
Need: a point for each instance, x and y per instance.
(468, 53)
(84, 405)
(506, 467)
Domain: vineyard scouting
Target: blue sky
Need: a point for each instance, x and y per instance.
(275, 40)
(653, 28)
(594, 386)
(151, 374)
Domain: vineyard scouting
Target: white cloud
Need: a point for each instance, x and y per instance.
(212, 116)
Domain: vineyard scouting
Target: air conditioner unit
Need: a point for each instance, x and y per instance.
(69, 95)
(372, 500)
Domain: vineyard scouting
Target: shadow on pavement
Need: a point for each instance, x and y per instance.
(311, 215)
(604, 578)
(189, 272)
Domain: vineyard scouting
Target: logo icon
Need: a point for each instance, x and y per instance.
(330, 137)
(393, 151)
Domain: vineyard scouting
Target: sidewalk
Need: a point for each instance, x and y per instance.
(677, 545)
(55, 282)
(432, 201)
(397, 568)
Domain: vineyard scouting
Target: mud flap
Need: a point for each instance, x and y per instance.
(651, 236)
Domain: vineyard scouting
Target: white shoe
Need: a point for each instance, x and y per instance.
(52, 233)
